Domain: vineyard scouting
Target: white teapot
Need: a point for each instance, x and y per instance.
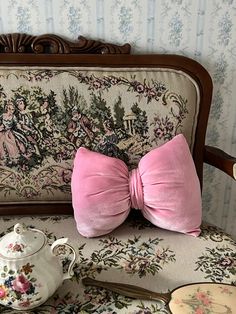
(30, 270)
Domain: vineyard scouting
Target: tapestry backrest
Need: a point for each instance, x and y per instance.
(46, 114)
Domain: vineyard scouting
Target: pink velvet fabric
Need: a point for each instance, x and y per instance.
(165, 187)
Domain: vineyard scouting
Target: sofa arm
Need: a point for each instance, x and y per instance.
(219, 159)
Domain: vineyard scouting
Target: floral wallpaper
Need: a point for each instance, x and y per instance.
(202, 29)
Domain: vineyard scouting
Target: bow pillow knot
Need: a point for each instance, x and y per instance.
(165, 187)
(136, 189)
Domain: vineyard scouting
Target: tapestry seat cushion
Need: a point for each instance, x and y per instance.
(136, 253)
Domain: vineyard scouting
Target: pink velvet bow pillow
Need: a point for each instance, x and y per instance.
(165, 187)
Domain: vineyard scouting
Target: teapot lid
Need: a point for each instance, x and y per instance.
(21, 242)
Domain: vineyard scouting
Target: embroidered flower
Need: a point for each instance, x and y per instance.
(226, 261)
(38, 77)
(159, 132)
(97, 84)
(139, 88)
(199, 310)
(203, 297)
(114, 80)
(150, 92)
(225, 290)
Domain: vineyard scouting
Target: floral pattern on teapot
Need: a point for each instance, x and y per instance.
(19, 285)
(15, 247)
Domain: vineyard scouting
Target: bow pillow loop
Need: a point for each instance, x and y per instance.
(165, 187)
(171, 188)
(100, 192)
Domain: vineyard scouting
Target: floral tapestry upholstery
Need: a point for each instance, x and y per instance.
(47, 113)
(136, 253)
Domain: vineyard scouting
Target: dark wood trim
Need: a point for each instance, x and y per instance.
(53, 44)
(219, 159)
(178, 62)
(42, 209)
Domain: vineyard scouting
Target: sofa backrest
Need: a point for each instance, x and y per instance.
(118, 104)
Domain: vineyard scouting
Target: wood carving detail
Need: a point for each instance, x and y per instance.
(53, 44)
(13, 43)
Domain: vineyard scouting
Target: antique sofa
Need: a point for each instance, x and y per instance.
(98, 95)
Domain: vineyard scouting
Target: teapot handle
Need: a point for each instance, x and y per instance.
(58, 248)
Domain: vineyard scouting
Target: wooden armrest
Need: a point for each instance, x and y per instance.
(219, 159)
